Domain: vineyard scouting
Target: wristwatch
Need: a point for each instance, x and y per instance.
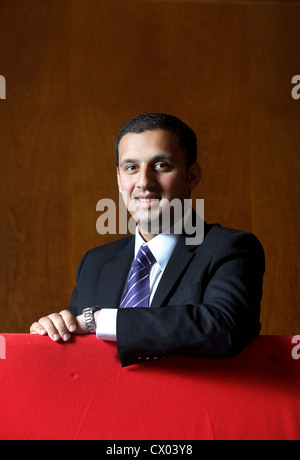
(88, 316)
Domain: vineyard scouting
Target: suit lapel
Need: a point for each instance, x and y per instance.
(177, 264)
(114, 275)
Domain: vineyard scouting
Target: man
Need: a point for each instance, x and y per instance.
(202, 299)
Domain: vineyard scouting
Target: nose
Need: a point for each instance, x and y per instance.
(145, 177)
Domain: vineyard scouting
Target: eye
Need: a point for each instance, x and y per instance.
(162, 165)
(131, 168)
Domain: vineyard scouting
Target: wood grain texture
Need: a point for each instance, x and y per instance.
(77, 70)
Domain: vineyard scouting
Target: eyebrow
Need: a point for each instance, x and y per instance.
(160, 156)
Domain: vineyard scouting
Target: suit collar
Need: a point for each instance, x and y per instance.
(179, 260)
(181, 257)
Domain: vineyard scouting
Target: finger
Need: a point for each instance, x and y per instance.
(69, 320)
(37, 328)
(50, 328)
(60, 326)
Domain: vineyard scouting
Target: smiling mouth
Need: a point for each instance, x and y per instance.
(147, 200)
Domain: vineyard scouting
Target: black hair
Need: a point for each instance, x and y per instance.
(151, 121)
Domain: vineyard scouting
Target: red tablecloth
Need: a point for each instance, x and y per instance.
(78, 390)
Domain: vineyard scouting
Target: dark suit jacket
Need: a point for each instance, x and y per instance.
(207, 303)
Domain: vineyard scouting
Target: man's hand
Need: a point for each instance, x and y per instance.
(60, 326)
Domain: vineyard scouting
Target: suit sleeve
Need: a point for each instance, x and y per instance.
(74, 308)
(220, 325)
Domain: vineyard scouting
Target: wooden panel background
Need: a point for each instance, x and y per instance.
(77, 70)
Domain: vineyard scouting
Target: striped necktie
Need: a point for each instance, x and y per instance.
(137, 291)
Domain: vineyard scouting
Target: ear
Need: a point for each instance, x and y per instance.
(194, 175)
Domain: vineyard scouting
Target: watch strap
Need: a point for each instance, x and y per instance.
(88, 317)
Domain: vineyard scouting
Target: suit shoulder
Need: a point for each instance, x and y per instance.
(106, 251)
(219, 237)
(113, 245)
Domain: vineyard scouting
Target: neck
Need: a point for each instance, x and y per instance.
(145, 235)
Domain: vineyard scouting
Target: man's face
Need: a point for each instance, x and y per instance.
(151, 172)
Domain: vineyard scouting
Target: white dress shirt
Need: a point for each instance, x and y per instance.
(161, 247)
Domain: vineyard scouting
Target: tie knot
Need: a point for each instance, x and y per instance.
(145, 257)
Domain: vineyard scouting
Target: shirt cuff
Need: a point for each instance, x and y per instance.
(107, 324)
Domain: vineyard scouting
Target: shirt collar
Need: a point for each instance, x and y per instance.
(161, 246)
